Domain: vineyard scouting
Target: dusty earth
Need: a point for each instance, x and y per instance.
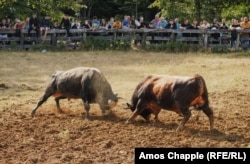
(52, 137)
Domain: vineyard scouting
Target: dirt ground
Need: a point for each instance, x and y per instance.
(52, 137)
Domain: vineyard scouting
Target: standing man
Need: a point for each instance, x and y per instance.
(34, 24)
(66, 24)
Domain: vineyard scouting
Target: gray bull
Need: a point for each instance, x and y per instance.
(88, 84)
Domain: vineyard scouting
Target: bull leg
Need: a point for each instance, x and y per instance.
(103, 109)
(139, 108)
(208, 111)
(40, 102)
(86, 107)
(156, 113)
(186, 115)
(58, 104)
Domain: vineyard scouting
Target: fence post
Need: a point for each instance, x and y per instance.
(206, 39)
(143, 38)
(238, 41)
(22, 39)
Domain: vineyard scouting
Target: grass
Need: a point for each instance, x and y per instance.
(25, 72)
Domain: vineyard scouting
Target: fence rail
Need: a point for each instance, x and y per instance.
(203, 38)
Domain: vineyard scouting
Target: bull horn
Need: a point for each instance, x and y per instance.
(128, 106)
(110, 101)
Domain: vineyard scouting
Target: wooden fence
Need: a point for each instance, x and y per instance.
(203, 38)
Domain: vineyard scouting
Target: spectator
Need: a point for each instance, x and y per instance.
(86, 24)
(26, 24)
(103, 25)
(133, 22)
(117, 24)
(142, 24)
(34, 24)
(9, 22)
(241, 20)
(55, 25)
(18, 26)
(245, 25)
(154, 22)
(235, 25)
(45, 26)
(162, 23)
(194, 26)
(215, 26)
(65, 24)
(125, 22)
(95, 23)
(185, 25)
(110, 23)
(4, 26)
(224, 23)
(224, 26)
(204, 25)
(176, 21)
(171, 25)
(76, 24)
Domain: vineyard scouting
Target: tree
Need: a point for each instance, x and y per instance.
(24, 8)
(201, 9)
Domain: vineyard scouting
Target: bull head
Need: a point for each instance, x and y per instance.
(112, 103)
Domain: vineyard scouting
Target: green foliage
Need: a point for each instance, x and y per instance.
(93, 44)
(201, 9)
(173, 47)
(121, 45)
(191, 9)
(24, 8)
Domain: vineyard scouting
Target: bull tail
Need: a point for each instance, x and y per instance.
(203, 92)
(50, 90)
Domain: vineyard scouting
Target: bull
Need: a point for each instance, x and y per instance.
(88, 84)
(174, 93)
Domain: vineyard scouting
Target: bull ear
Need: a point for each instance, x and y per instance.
(118, 97)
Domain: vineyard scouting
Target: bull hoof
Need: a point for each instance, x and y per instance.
(128, 122)
(32, 114)
(180, 128)
(60, 111)
(86, 118)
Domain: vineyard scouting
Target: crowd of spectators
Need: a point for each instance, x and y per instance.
(43, 25)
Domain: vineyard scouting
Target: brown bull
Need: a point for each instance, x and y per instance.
(175, 93)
